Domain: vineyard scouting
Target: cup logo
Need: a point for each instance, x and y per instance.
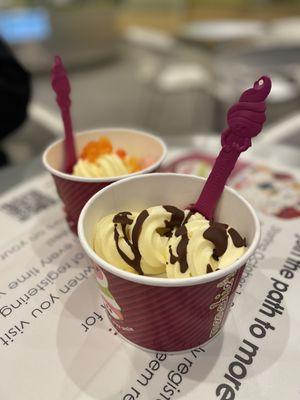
(110, 303)
(220, 302)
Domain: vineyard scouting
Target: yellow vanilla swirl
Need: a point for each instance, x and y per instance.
(200, 251)
(105, 246)
(151, 244)
(105, 166)
(165, 240)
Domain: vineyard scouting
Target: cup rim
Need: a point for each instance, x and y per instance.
(172, 282)
(74, 178)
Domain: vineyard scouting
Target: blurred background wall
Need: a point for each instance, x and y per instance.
(171, 67)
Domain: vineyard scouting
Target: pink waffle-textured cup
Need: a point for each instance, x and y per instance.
(75, 191)
(159, 314)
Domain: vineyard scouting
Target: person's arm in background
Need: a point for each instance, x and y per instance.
(15, 90)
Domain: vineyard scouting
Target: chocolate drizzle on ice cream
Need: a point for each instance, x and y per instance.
(181, 249)
(166, 239)
(217, 234)
(123, 219)
(209, 269)
(178, 219)
(237, 239)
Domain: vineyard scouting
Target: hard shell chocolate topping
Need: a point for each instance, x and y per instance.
(181, 231)
(177, 217)
(122, 218)
(237, 239)
(217, 234)
(209, 269)
(181, 250)
(188, 216)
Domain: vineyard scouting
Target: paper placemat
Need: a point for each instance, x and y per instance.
(55, 339)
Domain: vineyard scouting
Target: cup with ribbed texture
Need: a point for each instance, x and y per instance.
(160, 314)
(75, 191)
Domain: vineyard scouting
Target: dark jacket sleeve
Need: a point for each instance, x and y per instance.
(15, 91)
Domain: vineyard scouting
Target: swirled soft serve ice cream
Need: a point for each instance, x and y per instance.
(166, 241)
(98, 159)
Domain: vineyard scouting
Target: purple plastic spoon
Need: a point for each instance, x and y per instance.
(61, 86)
(245, 120)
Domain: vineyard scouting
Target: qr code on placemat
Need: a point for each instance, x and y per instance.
(25, 206)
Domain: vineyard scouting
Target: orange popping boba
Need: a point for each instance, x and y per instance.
(101, 152)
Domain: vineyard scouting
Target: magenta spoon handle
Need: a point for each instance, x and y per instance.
(62, 88)
(245, 120)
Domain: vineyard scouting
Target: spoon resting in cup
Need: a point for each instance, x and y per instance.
(62, 88)
(245, 120)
